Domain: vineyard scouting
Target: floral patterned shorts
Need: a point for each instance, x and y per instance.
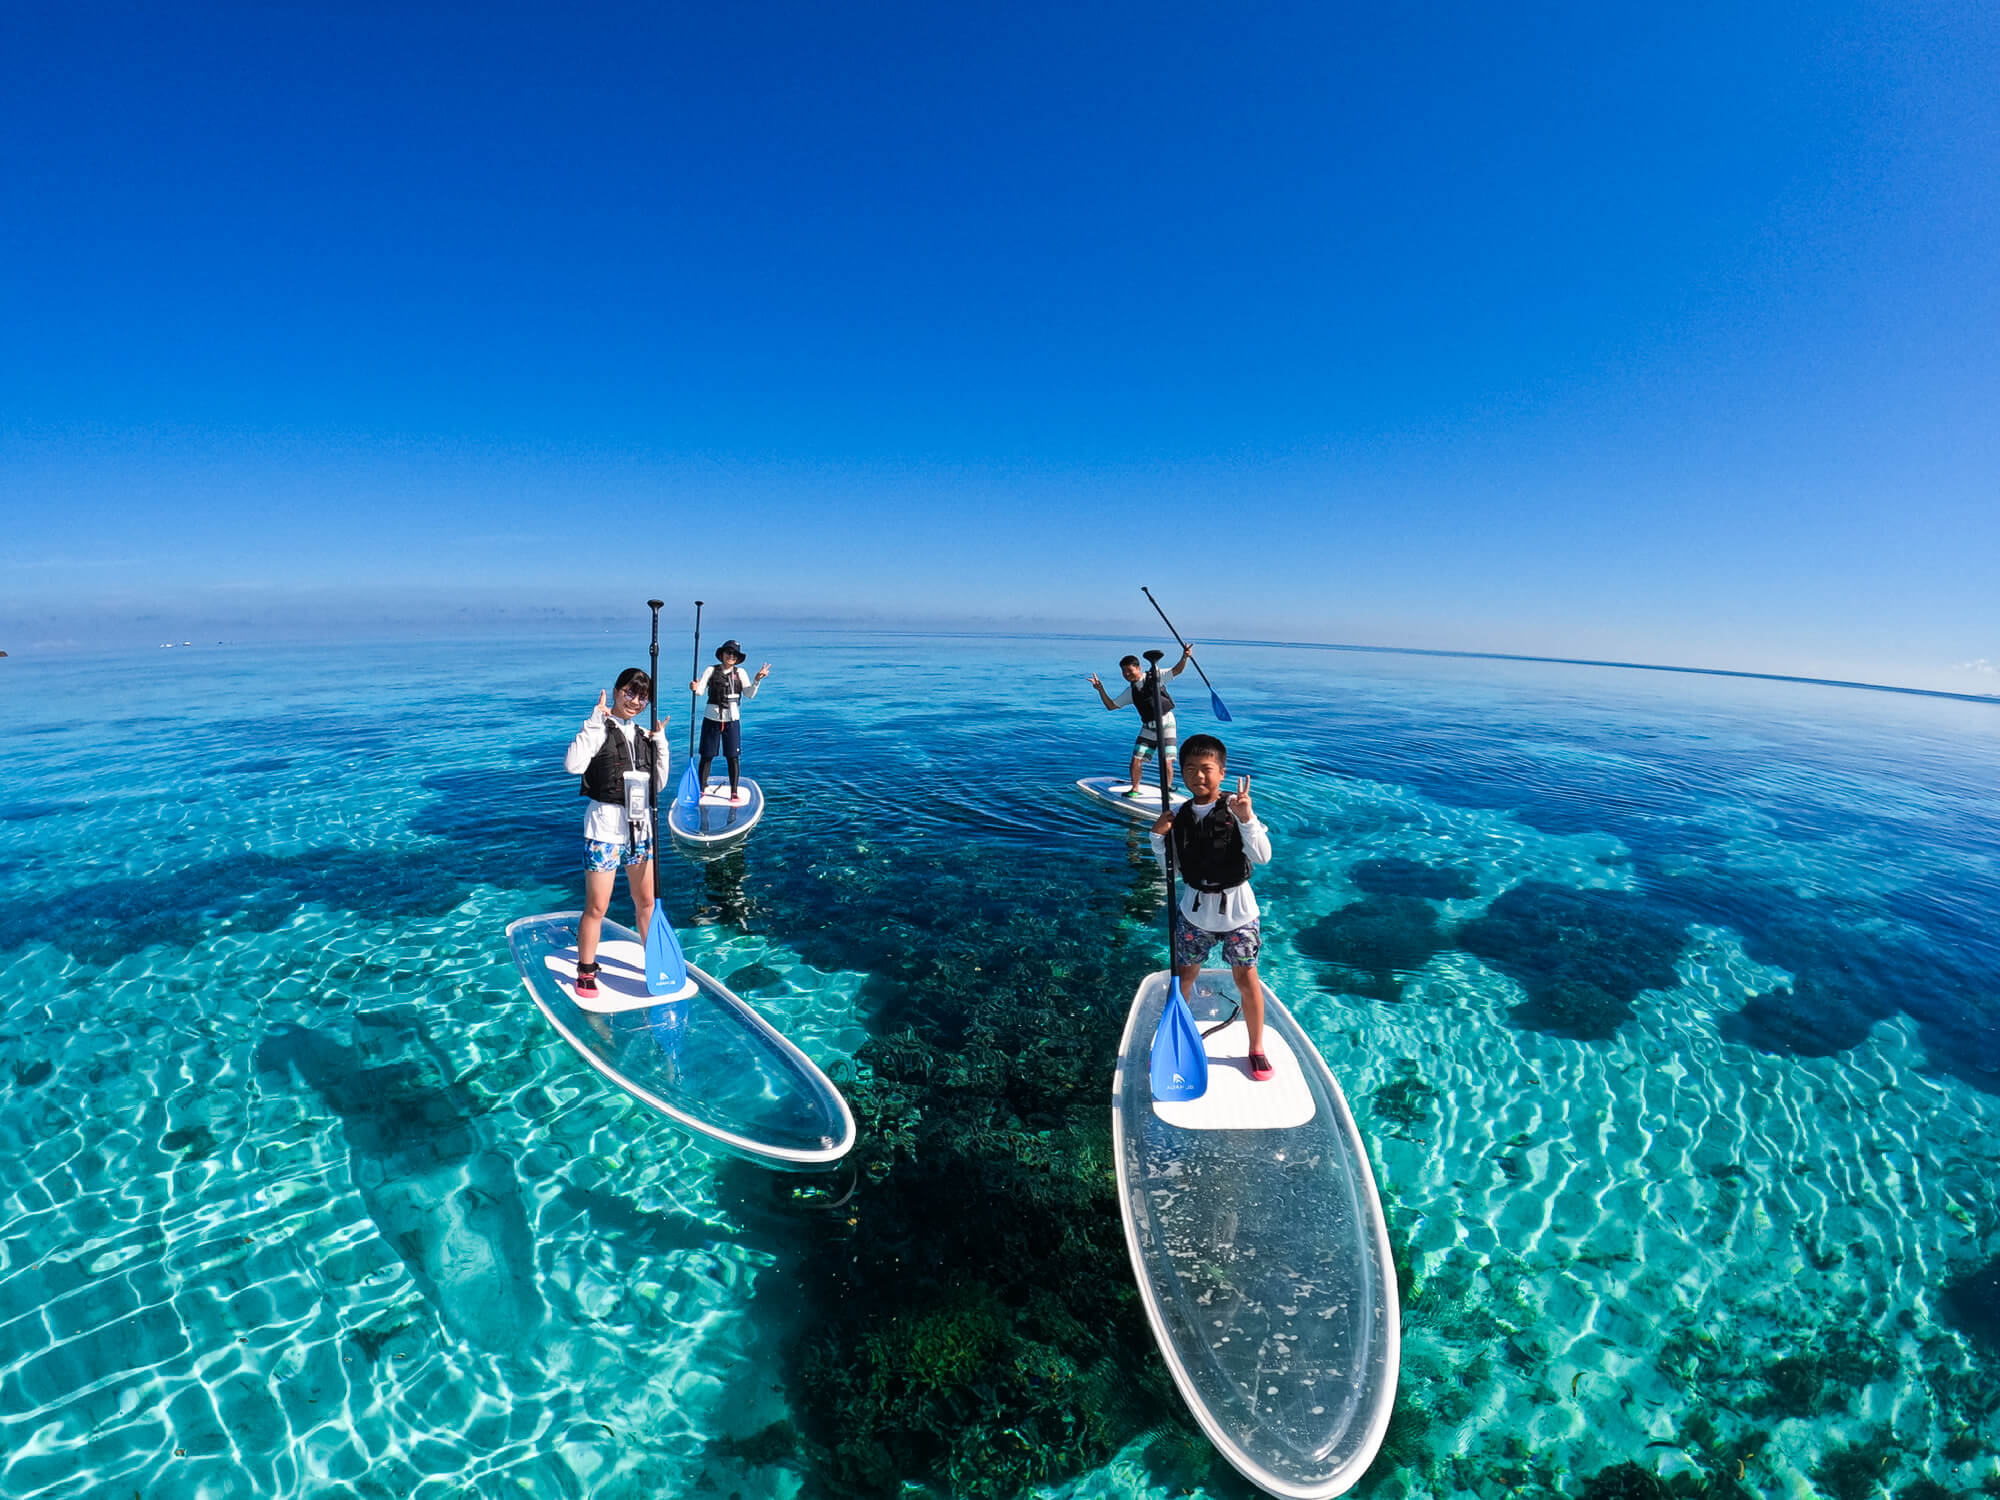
(604, 857)
(1240, 946)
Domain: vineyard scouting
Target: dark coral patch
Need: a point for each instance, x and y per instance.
(255, 892)
(1855, 1472)
(1405, 1100)
(1626, 1481)
(1933, 959)
(752, 977)
(1370, 947)
(1807, 1020)
(1971, 1303)
(1409, 877)
(968, 1315)
(1582, 956)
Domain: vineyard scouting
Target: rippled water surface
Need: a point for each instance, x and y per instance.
(1668, 1006)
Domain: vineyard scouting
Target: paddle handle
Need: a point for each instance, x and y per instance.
(692, 699)
(653, 723)
(1166, 800)
(1176, 634)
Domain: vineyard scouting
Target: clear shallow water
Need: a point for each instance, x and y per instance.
(1669, 1006)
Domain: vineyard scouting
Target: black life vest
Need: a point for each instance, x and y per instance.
(1147, 699)
(724, 688)
(1209, 850)
(604, 777)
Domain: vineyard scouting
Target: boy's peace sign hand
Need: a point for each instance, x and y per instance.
(763, 672)
(1239, 804)
(1095, 683)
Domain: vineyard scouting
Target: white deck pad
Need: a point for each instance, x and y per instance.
(1109, 791)
(1235, 1100)
(621, 978)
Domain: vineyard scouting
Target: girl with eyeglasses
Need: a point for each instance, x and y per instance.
(614, 757)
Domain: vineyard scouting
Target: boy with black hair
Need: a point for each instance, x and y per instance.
(614, 758)
(1216, 841)
(1156, 719)
(727, 685)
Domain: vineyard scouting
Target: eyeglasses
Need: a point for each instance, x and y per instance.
(637, 695)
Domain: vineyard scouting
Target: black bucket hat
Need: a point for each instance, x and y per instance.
(731, 648)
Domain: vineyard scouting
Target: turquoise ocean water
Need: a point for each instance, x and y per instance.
(1668, 1004)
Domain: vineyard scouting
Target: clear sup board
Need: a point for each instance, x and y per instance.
(1261, 1252)
(708, 1061)
(717, 818)
(1109, 791)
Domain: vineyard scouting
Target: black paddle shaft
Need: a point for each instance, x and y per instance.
(693, 701)
(653, 722)
(1166, 795)
(1176, 634)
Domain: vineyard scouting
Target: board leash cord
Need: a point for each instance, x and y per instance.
(1224, 1024)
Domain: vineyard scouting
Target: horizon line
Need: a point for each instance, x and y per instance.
(1989, 699)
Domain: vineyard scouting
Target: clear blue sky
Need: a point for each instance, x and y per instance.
(1663, 332)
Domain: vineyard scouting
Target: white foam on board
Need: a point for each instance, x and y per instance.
(621, 978)
(1235, 1100)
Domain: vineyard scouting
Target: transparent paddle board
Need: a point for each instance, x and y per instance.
(717, 819)
(709, 1062)
(1260, 1249)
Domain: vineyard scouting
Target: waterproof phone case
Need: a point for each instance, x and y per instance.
(636, 788)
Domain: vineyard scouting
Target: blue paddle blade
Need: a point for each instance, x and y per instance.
(1179, 1061)
(687, 797)
(666, 968)
(1215, 703)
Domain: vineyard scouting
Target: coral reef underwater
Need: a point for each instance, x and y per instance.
(969, 1318)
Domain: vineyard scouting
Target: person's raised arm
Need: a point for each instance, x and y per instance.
(1256, 837)
(1103, 696)
(589, 740)
(1187, 655)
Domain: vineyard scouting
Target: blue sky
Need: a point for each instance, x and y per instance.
(1613, 331)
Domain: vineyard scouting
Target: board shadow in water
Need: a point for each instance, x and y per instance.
(429, 1173)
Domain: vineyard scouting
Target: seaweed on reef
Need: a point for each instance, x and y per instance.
(1924, 1489)
(1409, 877)
(1405, 1100)
(1824, 1376)
(775, 1444)
(1855, 1471)
(1368, 946)
(1582, 956)
(1180, 1459)
(1626, 1481)
(1971, 1303)
(1406, 1442)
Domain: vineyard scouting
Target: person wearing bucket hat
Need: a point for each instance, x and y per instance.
(726, 685)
